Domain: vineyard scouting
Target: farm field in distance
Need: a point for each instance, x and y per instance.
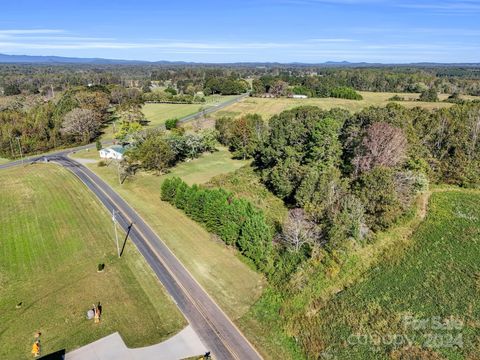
(158, 113)
(54, 235)
(225, 277)
(267, 107)
(435, 279)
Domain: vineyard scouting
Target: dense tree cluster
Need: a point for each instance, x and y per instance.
(319, 82)
(234, 220)
(158, 151)
(242, 135)
(356, 174)
(225, 86)
(169, 97)
(75, 118)
(190, 79)
(279, 87)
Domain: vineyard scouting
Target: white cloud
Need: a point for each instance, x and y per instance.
(333, 40)
(407, 45)
(30, 31)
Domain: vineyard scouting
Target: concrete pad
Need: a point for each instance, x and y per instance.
(86, 161)
(183, 345)
(110, 347)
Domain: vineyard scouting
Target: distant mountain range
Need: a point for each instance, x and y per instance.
(52, 60)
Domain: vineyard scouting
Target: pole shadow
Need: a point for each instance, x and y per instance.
(126, 237)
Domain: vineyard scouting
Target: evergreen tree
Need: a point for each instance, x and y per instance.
(181, 195)
(255, 240)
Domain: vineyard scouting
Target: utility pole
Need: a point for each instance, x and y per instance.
(20, 148)
(118, 173)
(114, 219)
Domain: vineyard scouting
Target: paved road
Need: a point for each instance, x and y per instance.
(213, 108)
(185, 119)
(212, 325)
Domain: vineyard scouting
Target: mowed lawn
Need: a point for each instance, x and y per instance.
(54, 234)
(268, 107)
(157, 114)
(437, 279)
(218, 268)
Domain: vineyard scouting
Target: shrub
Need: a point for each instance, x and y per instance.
(396, 98)
(345, 92)
(430, 95)
(171, 124)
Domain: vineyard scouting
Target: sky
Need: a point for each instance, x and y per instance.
(308, 31)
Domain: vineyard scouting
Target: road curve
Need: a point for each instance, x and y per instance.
(41, 157)
(212, 325)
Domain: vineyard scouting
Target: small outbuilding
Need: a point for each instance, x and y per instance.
(298, 96)
(112, 152)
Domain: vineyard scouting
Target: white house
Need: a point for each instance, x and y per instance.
(297, 96)
(112, 152)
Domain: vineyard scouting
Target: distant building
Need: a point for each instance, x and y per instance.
(112, 152)
(295, 96)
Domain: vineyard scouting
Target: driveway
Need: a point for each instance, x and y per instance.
(183, 345)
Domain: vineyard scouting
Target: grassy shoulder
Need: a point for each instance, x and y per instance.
(434, 279)
(54, 234)
(226, 278)
(268, 107)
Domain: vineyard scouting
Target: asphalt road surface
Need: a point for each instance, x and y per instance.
(212, 325)
(213, 108)
(36, 158)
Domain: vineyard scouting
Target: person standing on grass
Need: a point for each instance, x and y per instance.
(36, 345)
(97, 313)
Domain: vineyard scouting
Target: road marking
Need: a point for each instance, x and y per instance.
(194, 303)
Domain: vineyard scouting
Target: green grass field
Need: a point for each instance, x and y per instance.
(437, 278)
(54, 234)
(157, 114)
(268, 107)
(225, 277)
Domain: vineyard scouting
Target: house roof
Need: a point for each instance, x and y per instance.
(115, 148)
